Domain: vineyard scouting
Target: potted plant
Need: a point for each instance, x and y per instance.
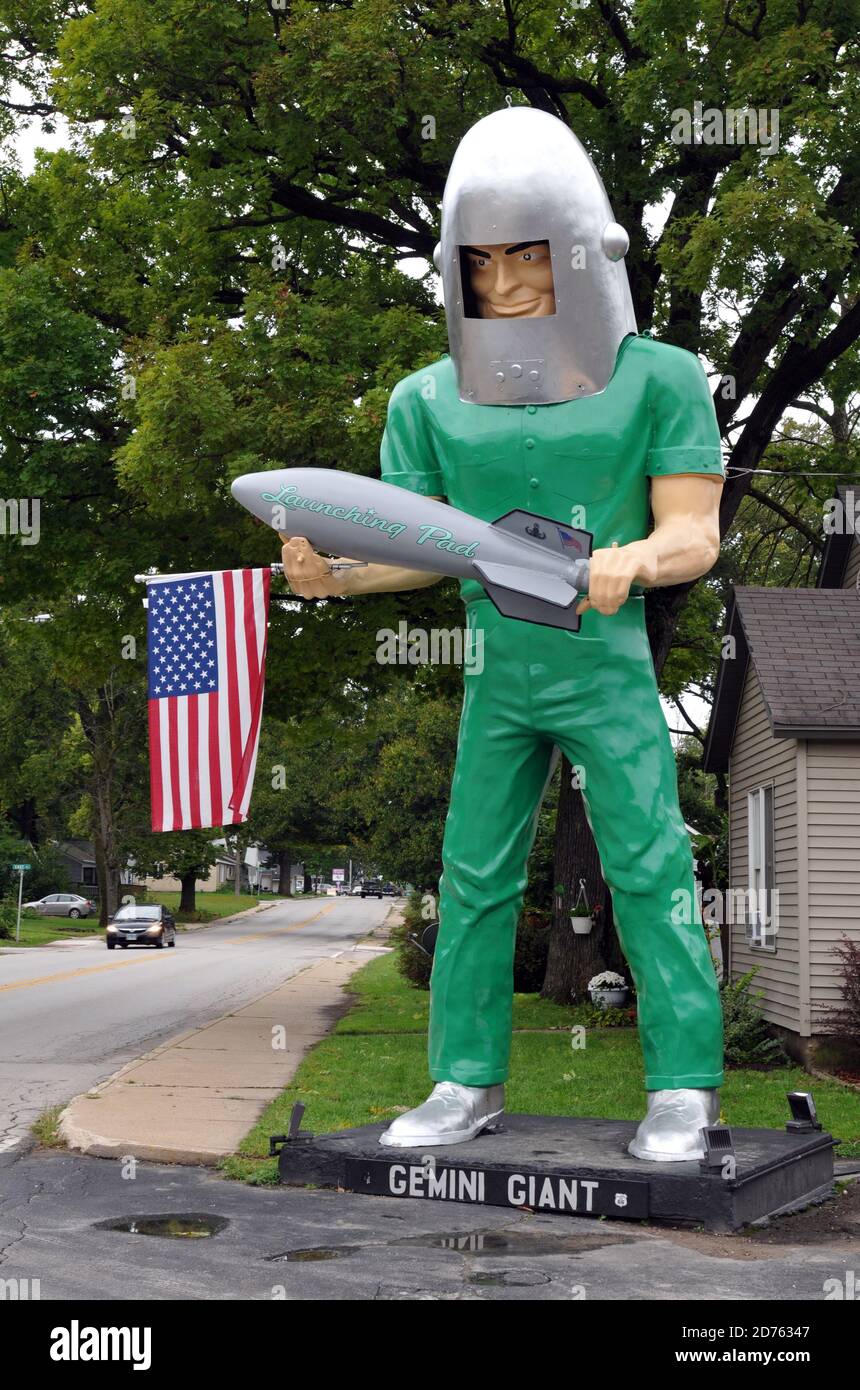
(581, 919)
(608, 990)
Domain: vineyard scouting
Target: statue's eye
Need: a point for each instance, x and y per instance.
(481, 262)
(527, 255)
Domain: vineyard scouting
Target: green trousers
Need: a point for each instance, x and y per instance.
(594, 695)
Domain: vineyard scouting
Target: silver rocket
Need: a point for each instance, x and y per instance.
(532, 567)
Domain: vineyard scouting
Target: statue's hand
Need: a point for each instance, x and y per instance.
(612, 571)
(310, 575)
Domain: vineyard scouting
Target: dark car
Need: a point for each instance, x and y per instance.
(371, 890)
(142, 926)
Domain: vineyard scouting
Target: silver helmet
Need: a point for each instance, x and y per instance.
(521, 176)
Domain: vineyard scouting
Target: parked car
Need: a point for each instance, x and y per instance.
(62, 905)
(390, 891)
(136, 925)
(370, 890)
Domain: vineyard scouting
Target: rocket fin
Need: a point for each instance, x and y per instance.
(529, 595)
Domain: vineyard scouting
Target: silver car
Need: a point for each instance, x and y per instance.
(62, 905)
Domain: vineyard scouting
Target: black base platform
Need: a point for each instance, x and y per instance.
(574, 1167)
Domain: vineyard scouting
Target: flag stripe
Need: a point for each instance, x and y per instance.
(155, 794)
(193, 764)
(215, 758)
(167, 783)
(203, 759)
(257, 598)
(176, 823)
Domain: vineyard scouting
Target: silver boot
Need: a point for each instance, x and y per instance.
(670, 1131)
(452, 1114)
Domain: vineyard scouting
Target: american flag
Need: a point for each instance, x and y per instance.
(206, 666)
(568, 539)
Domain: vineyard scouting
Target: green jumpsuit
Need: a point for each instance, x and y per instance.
(592, 693)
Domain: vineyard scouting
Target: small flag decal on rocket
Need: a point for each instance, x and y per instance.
(569, 540)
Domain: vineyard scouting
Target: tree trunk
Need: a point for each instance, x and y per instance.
(99, 727)
(573, 959)
(238, 858)
(188, 895)
(102, 877)
(104, 843)
(284, 884)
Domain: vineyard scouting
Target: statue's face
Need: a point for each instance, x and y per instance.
(512, 280)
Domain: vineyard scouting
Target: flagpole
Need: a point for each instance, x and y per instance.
(276, 567)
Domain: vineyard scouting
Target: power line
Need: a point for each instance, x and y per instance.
(787, 473)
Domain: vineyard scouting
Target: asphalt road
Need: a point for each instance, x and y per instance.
(325, 1246)
(72, 1014)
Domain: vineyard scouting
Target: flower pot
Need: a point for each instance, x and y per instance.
(581, 925)
(609, 998)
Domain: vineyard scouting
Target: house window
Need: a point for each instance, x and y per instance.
(88, 874)
(761, 918)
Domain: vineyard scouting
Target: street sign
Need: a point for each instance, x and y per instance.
(20, 869)
(338, 875)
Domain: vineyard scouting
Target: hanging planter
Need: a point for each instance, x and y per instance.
(581, 916)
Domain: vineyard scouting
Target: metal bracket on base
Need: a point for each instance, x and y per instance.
(804, 1115)
(277, 1141)
(718, 1147)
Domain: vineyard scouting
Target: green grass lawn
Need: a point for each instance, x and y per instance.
(38, 931)
(374, 1066)
(210, 906)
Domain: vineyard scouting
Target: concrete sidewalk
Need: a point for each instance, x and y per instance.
(194, 1099)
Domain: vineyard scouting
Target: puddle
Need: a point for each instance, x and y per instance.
(317, 1252)
(517, 1242)
(514, 1243)
(181, 1225)
(511, 1278)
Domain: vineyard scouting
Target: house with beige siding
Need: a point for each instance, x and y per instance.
(786, 728)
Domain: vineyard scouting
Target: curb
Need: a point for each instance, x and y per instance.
(203, 1090)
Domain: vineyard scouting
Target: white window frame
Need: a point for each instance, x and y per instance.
(761, 930)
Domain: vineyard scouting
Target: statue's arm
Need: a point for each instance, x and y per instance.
(683, 545)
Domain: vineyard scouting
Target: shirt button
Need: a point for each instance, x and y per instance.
(534, 482)
(529, 443)
(532, 409)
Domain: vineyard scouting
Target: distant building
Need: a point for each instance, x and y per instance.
(259, 874)
(79, 858)
(786, 727)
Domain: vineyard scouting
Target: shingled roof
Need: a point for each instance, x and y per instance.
(805, 647)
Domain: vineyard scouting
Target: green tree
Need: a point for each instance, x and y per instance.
(183, 854)
(212, 276)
